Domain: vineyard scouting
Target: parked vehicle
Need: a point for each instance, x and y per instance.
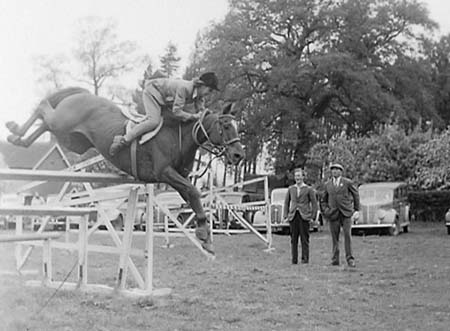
(222, 217)
(384, 206)
(176, 205)
(279, 224)
(116, 211)
(9, 200)
(226, 219)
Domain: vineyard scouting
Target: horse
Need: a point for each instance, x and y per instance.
(80, 120)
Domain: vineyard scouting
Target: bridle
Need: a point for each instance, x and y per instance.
(208, 145)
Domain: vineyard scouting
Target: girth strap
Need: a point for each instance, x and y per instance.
(133, 153)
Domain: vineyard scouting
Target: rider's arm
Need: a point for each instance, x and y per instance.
(179, 102)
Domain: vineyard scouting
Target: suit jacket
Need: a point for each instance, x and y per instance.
(305, 202)
(343, 198)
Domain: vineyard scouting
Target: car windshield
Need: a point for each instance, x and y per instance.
(231, 198)
(380, 195)
(278, 196)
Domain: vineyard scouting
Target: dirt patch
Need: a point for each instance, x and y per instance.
(400, 283)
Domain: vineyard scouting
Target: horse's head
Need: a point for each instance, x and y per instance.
(219, 130)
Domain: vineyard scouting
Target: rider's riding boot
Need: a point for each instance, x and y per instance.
(118, 143)
(14, 128)
(15, 140)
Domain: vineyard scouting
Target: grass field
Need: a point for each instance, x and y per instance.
(400, 283)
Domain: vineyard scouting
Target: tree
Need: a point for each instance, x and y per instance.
(170, 60)
(438, 52)
(101, 55)
(305, 71)
(51, 71)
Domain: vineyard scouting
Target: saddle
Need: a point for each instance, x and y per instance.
(133, 118)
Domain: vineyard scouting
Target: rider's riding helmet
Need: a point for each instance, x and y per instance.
(210, 79)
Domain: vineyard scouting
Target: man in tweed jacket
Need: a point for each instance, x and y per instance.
(300, 207)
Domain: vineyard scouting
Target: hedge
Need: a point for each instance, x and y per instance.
(429, 206)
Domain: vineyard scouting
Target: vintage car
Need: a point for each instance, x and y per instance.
(384, 206)
(222, 217)
(175, 204)
(9, 200)
(234, 199)
(277, 198)
(447, 221)
(114, 209)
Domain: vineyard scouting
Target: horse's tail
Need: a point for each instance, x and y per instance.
(55, 98)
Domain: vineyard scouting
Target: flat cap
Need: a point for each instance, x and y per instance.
(337, 166)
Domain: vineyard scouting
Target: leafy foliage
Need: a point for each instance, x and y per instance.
(388, 155)
(432, 171)
(306, 71)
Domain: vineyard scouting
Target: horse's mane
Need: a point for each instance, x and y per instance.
(55, 98)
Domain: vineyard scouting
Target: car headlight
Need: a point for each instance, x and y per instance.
(381, 214)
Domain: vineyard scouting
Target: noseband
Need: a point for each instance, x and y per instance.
(216, 149)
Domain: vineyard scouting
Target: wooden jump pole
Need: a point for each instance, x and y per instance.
(64, 176)
(29, 237)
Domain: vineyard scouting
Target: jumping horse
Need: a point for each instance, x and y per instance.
(80, 120)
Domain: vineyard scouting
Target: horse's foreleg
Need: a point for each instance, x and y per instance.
(25, 142)
(20, 130)
(187, 191)
(191, 195)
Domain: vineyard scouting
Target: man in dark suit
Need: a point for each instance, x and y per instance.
(300, 206)
(340, 205)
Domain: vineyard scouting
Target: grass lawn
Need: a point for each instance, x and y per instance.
(400, 283)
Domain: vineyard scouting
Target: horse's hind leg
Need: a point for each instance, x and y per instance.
(41, 111)
(25, 142)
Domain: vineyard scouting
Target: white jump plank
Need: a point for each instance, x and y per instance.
(29, 237)
(45, 211)
(63, 176)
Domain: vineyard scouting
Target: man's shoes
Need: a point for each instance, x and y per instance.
(118, 143)
(334, 263)
(294, 262)
(305, 261)
(351, 263)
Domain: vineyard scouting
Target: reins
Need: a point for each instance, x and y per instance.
(215, 149)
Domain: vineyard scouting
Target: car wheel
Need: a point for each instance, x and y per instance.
(118, 222)
(448, 230)
(405, 229)
(395, 230)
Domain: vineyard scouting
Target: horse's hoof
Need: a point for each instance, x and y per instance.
(13, 127)
(208, 247)
(202, 233)
(15, 140)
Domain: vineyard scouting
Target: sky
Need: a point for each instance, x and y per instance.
(29, 28)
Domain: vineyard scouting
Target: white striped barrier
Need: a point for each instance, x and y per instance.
(123, 247)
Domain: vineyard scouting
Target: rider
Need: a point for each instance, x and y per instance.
(166, 92)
